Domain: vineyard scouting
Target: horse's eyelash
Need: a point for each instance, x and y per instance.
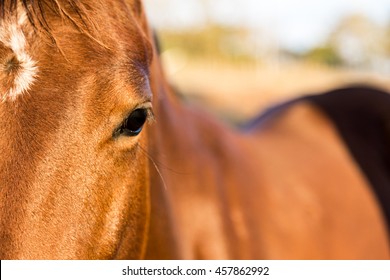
(147, 106)
(150, 116)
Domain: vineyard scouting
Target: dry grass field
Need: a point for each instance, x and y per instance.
(239, 92)
(238, 68)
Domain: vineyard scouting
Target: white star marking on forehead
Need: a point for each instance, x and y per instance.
(24, 67)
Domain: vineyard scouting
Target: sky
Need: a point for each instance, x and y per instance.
(295, 24)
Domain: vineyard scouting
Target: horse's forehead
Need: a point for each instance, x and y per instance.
(115, 28)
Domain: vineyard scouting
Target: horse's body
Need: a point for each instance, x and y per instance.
(80, 180)
(286, 188)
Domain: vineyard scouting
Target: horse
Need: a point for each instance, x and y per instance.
(101, 160)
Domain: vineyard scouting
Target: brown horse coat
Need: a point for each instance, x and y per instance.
(76, 75)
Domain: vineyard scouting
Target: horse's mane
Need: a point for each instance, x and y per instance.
(37, 12)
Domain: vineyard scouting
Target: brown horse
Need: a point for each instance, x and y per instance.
(85, 172)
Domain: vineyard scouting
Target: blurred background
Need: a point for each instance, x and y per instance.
(237, 57)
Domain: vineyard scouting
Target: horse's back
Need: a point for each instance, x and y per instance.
(312, 154)
(362, 117)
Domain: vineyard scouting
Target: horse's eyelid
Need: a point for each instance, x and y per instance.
(150, 117)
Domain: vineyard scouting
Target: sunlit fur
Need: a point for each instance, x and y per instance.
(187, 186)
(68, 189)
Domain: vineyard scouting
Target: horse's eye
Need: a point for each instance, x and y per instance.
(133, 124)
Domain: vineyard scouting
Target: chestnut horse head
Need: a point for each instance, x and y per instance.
(83, 175)
(75, 96)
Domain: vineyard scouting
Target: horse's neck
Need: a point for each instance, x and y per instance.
(163, 236)
(181, 150)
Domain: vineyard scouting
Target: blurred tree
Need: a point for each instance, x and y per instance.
(212, 41)
(387, 37)
(358, 41)
(323, 55)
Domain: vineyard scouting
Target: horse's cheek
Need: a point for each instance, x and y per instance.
(128, 216)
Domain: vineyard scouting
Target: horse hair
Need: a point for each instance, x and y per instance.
(36, 12)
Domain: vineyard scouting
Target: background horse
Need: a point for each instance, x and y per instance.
(85, 172)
